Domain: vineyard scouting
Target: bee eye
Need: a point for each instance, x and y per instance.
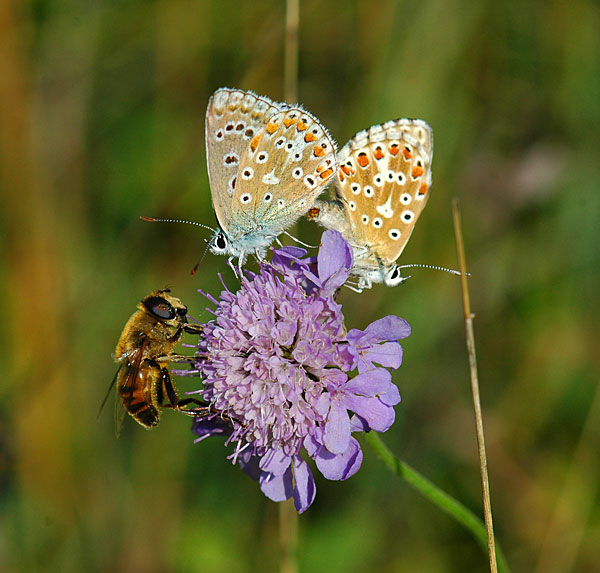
(159, 307)
(182, 310)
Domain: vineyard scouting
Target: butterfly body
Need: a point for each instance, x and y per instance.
(382, 185)
(267, 164)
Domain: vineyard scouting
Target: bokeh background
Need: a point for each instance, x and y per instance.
(102, 119)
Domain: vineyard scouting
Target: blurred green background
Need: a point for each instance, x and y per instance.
(102, 119)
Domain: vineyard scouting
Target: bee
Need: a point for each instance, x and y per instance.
(144, 350)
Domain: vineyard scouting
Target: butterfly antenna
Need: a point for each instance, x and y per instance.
(200, 260)
(435, 268)
(295, 239)
(154, 220)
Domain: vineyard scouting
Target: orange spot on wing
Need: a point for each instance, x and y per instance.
(301, 126)
(378, 153)
(319, 151)
(310, 137)
(272, 127)
(417, 171)
(254, 142)
(288, 121)
(423, 189)
(341, 175)
(362, 159)
(327, 173)
(345, 169)
(407, 153)
(394, 149)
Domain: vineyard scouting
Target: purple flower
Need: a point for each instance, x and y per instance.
(280, 368)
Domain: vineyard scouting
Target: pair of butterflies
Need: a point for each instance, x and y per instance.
(268, 163)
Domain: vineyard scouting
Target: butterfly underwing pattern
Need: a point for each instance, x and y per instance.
(382, 185)
(267, 163)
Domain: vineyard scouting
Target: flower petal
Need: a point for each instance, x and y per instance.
(275, 462)
(334, 260)
(378, 415)
(370, 383)
(305, 489)
(340, 466)
(337, 428)
(389, 328)
(388, 354)
(277, 488)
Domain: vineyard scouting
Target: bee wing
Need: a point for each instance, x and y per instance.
(126, 377)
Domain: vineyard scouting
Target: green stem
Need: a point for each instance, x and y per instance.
(434, 494)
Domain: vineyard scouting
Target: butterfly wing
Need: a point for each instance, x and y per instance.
(283, 170)
(233, 119)
(383, 182)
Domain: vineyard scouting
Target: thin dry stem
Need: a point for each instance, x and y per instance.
(292, 17)
(485, 485)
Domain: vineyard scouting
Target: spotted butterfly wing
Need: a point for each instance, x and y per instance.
(267, 164)
(382, 186)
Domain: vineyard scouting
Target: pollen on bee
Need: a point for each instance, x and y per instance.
(362, 159)
(310, 137)
(423, 189)
(301, 126)
(272, 127)
(417, 171)
(254, 142)
(319, 151)
(327, 173)
(288, 121)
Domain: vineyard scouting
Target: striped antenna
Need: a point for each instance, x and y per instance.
(435, 268)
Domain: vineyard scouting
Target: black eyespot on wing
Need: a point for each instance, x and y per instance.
(159, 307)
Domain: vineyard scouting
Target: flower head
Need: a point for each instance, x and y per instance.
(287, 377)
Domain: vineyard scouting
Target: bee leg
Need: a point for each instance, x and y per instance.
(168, 390)
(193, 328)
(175, 358)
(201, 409)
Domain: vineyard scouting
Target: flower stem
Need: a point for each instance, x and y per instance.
(437, 496)
(288, 537)
(485, 484)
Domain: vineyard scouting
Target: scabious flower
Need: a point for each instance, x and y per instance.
(287, 378)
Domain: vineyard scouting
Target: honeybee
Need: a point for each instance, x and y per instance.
(144, 350)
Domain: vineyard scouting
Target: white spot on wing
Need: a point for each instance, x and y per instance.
(270, 178)
(386, 209)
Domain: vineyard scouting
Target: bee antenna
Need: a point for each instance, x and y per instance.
(435, 268)
(154, 220)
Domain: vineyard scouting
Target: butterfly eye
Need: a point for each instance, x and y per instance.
(393, 277)
(218, 244)
(394, 234)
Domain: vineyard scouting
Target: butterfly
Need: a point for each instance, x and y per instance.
(382, 185)
(267, 163)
